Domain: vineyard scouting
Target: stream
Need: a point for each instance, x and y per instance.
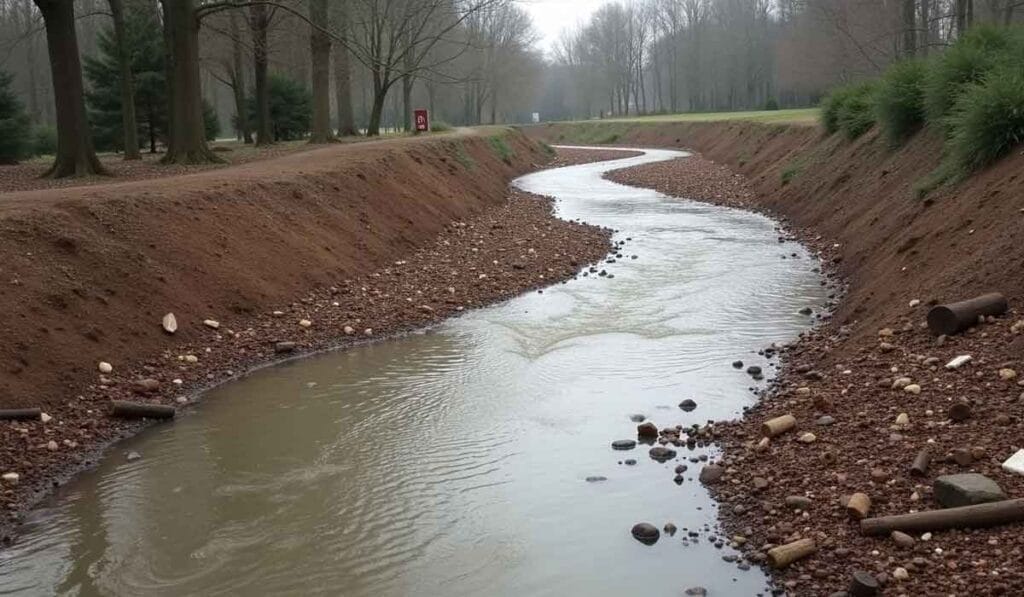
(455, 461)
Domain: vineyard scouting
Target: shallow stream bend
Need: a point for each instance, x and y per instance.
(454, 462)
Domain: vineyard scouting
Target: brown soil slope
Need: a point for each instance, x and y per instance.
(87, 273)
(958, 241)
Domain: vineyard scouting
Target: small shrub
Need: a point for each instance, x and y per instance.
(790, 172)
(501, 149)
(899, 100)
(15, 128)
(834, 106)
(856, 114)
(462, 157)
(440, 126)
(987, 121)
(967, 62)
(44, 140)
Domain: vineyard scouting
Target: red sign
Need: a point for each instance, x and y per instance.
(422, 121)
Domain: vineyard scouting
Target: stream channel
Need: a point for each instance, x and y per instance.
(454, 461)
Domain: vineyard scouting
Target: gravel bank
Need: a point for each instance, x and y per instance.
(872, 399)
(512, 247)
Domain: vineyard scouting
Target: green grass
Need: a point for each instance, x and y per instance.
(802, 116)
(899, 100)
(501, 148)
(790, 172)
(462, 157)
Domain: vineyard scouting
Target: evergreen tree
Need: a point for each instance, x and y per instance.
(15, 130)
(144, 37)
(291, 109)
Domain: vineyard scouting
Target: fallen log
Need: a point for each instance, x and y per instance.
(141, 410)
(784, 555)
(920, 466)
(21, 414)
(965, 517)
(778, 425)
(956, 317)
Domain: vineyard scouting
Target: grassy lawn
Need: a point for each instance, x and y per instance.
(802, 116)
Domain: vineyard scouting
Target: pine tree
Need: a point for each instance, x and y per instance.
(15, 129)
(291, 109)
(144, 37)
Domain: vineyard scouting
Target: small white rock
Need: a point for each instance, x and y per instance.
(305, 323)
(912, 389)
(105, 367)
(903, 420)
(349, 330)
(900, 574)
(11, 478)
(191, 358)
(181, 400)
(901, 383)
(1007, 374)
(368, 332)
(1015, 463)
(808, 438)
(169, 323)
(213, 324)
(959, 361)
(926, 537)
(52, 446)
(914, 303)
(45, 418)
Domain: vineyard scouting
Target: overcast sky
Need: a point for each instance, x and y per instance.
(550, 17)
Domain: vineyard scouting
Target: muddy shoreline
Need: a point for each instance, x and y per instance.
(845, 385)
(512, 248)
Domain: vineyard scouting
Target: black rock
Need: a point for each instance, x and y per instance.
(688, 405)
(646, 533)
(738, 364)
(754, 370)
(637, 418)
(661, 453)
(623, 444)
(596, 479)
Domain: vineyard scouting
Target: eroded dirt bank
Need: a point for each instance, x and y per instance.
(846, 383)
(321, 249)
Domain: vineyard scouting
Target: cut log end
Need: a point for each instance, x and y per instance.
(784, 555)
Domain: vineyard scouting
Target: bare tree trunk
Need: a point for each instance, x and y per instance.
(320, 54)
(380, 93)
(259, 19)
(407, 83)
(124, 63)
(343, 79)
(925, 39)
(186, 130)
(75, 153)
(909, 26)
(238, 80)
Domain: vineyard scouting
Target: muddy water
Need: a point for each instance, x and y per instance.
(454, 462)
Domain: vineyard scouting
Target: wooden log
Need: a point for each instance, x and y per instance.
(966, 517)
(141, 410)
(863, 584)
(858, 506)
(921, 463)
(778, 426)
(956, 317)
(21, 414)
(784, 555)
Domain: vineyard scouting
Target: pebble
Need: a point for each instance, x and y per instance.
(661, 453)
(45, 418)
(826, 420)
(349, 330)
(688, 405)
(646, 533)
(912, 389)
(52, 446)
(11, 478)
(1007, 374)
(711, 473)
(902, 420)
(169, 323)
(959, 362)
(902, 539)
(213, 324)
(807, 438)
(130, 456)
(737, 364)
(623, 444)
(798, 502)
(305, 323)
(637, 418)
(105, 367)
(596, 479)
(900, 574)
(647, 430)
(696, 592)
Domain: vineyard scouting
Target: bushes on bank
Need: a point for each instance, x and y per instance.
(987, 120)
(899, 100)
(849, 109)
(973, 93)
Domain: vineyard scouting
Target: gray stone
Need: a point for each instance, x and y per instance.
(688, 405)
(826, 420)
(697, 591)
(661, 453)
(130, 456)
(637, 418)
(646, 533)
(624, 444)
(711, 473)
(596, 479)
(966, 489)
(799, 502)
